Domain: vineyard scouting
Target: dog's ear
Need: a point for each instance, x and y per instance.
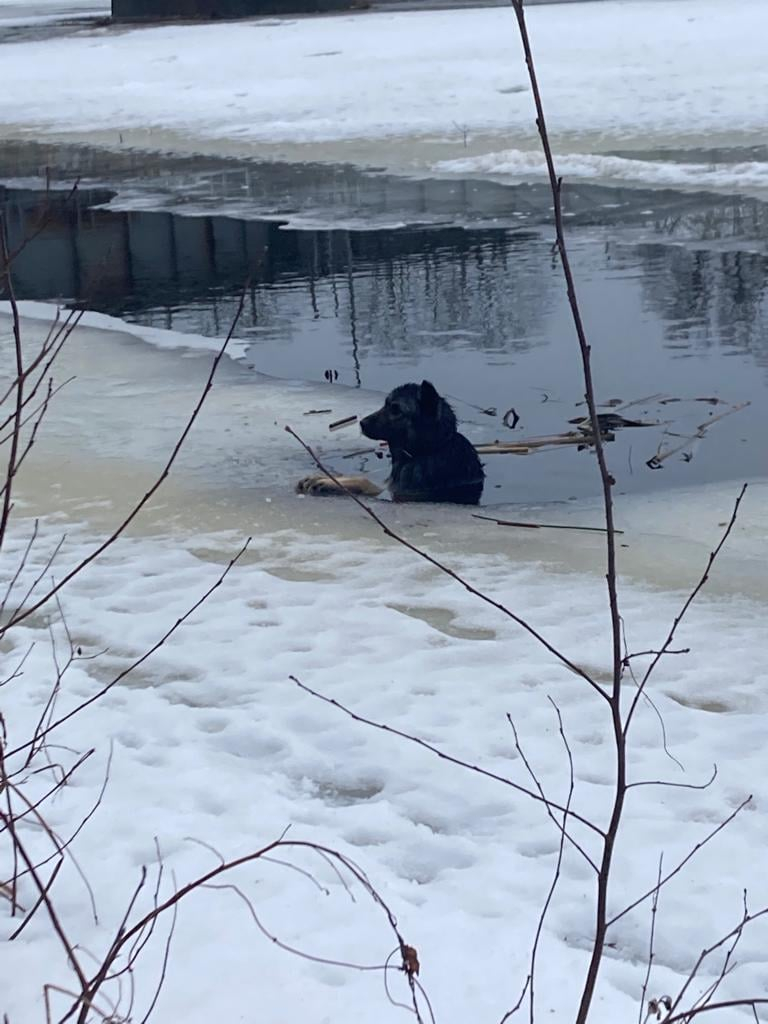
(428, 399)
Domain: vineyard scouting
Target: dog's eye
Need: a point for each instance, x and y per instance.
(394, 408)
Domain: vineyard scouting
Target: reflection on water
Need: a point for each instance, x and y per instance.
(673, 289)
(716, 299)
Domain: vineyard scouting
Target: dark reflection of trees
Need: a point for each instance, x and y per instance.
(403, 290)
(700, 278)
(494, 291)
(730, 218)
(708, 298)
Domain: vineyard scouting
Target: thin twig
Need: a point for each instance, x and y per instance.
(561, 826)
(541, 526)
(688, 1015)
(510, 1013)
(691, 853)
(558, 865)
(443, 755)
(654, 908)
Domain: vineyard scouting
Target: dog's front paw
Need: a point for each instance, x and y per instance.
(322, 484)
(318, 484)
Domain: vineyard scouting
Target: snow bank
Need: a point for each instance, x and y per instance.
(211, 740)
(524, 165)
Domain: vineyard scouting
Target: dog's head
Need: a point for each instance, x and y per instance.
(414, 417)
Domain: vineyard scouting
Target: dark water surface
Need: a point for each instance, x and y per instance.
(383, 280)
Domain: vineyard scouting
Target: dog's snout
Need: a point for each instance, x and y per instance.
(368, 425)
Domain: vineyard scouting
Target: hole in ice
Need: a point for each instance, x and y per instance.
(196, 698)
(139, 679)
(339, 794)
(444, 621)
(292, 574)
(221, 556)
(603, 676)
(716, 707)
(38, 620)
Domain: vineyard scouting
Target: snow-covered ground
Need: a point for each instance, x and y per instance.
(211, 741)
(412, 90)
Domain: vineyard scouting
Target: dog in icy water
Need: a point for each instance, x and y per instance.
(431, 460)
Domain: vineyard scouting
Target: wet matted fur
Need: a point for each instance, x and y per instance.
(431, 460)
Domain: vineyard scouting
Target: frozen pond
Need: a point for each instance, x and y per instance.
(381, 280)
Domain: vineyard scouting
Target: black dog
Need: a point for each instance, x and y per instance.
(431, 460)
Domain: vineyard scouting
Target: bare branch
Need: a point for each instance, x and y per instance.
(38, 901)
(627, 664)
(688, 1015)
(735, 934)
(654, 908)
(676, 785)
(45, 898)
(127, 933)
(510, 1013)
